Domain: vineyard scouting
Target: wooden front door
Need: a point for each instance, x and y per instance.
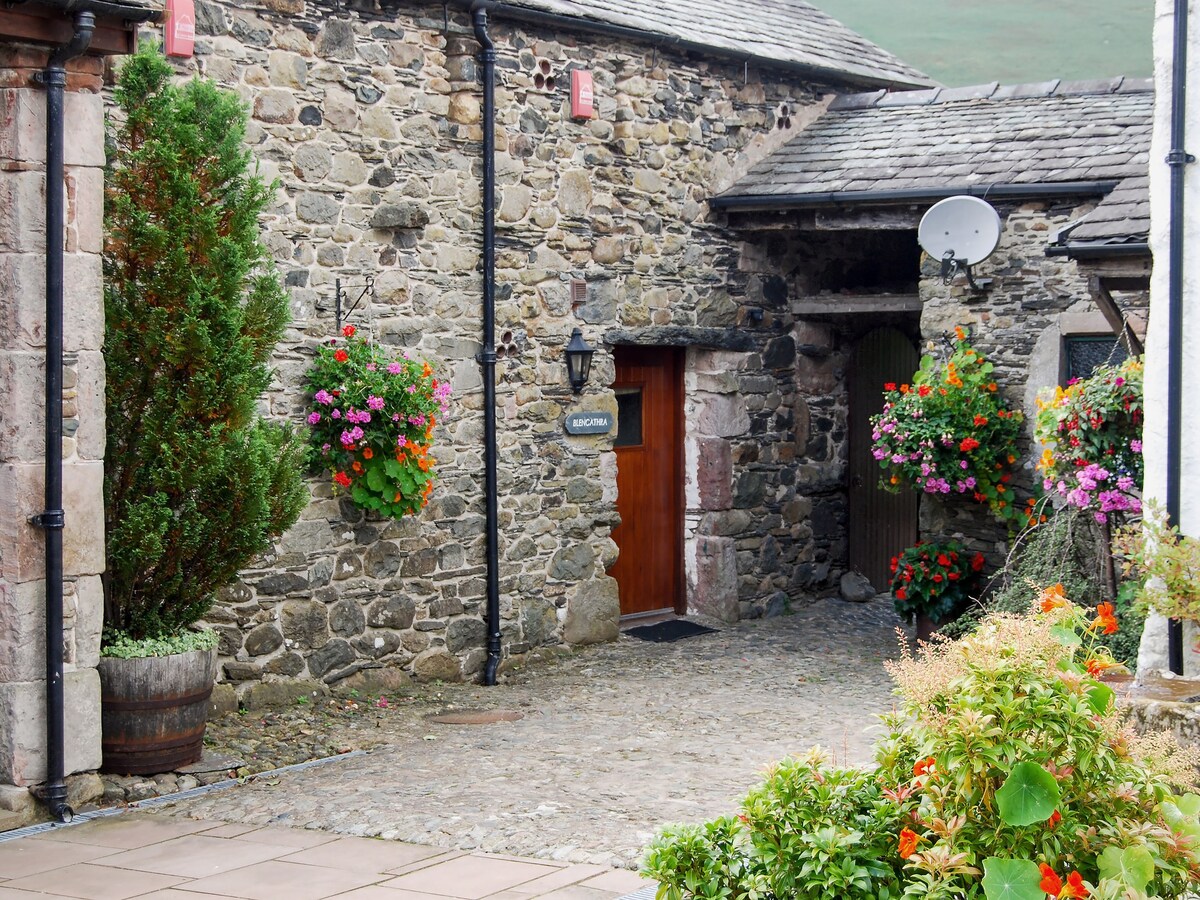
(649, 448)
(881, 524)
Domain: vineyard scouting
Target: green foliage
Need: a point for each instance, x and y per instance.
(809, 830)
(1006, 774)
(934, 579)
(371, 420)
(1067, 548)
(196, 484)
(949, 432)
(121, 646)
(1164, 565)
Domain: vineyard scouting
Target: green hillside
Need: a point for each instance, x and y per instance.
(1011, 41)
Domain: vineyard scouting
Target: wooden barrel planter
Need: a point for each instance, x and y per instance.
(153, 711)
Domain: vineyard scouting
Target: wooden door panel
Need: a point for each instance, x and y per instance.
(649, 567)
(880, 524)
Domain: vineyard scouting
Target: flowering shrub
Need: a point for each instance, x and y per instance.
(1007, 775)
(1093, 433)
(949, 433)
(371, 420)
(932, 579)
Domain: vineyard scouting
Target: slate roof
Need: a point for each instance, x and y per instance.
(1121, 218)
(791, 33)
(958, 140)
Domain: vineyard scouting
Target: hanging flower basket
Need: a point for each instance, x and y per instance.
(371, 419)
(949, 433)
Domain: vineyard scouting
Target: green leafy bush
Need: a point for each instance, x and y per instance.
(1006, 774)
(196, 484)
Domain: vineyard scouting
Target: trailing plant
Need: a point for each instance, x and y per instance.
(371, 419)
(1092, 430)
(1163, 565)
(1065, 547)
(196, 483)
(934, 579)
(949, 432)
(121, 646)
(1006, 774)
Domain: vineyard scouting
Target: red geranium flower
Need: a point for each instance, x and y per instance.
(968, 444)
(348, 331)
(977, 563)
(341, 355)
(342, 478)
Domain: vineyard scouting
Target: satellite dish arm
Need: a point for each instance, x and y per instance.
(952, 266)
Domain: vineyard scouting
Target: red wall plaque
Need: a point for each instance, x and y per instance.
(180, 27)
(582, 96)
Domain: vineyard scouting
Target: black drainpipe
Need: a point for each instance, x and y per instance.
(1177, 159)
(487, 56)
(52, 519)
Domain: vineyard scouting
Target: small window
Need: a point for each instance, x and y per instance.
(1085, 354)
(629, 417)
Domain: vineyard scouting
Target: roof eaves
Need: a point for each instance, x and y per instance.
(886, 196)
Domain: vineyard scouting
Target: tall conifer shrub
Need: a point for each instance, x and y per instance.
(196, 483)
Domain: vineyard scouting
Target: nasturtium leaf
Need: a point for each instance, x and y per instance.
(393, 468)
(1100, 698)
(1012, 879)
(1182, 814)
(1133, 866)
(374, 479)
(1029, 794)
(1065, 636)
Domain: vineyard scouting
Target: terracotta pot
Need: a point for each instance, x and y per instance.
(153, 711)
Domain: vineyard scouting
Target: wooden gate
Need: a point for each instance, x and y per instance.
(649, 448)
(881, 524)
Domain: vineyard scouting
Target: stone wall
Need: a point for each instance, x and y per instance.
(22, 441)
(371, 121)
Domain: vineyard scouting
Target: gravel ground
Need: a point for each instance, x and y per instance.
(615, 740)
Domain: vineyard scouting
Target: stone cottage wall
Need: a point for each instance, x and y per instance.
(22, 440)
(371, 122)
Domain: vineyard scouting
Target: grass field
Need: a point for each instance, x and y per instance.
(1011, 41)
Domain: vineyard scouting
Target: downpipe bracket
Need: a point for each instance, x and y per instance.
(1179, 158)
(51, 519)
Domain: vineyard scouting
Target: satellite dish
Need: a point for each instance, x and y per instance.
(960, 231)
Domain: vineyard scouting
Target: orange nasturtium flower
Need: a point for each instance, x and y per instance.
(1052, 597)
(1074, 886)
(1105, 618)
(924, 766)
(908, 843)
(368, 453)
(959, 333)
(1051, 883)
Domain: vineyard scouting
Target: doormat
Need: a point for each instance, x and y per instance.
(668, 631)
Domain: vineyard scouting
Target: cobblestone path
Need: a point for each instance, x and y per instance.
(615, 741)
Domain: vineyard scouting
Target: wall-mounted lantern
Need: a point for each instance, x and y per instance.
(579, 361)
